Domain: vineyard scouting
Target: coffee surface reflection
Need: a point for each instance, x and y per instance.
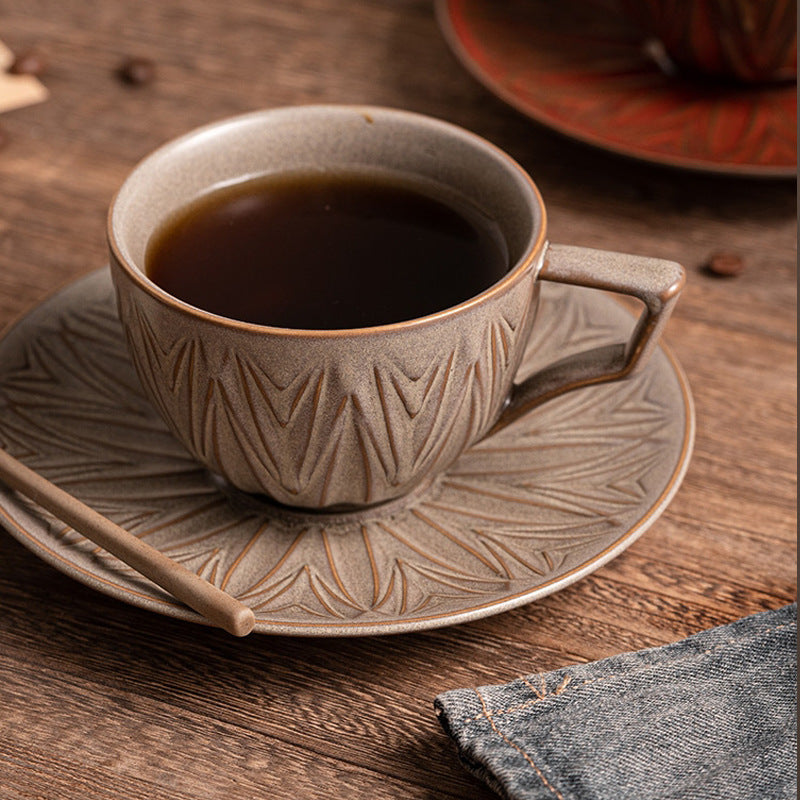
(327, 250)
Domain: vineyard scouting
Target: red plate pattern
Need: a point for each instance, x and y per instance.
(581, 68)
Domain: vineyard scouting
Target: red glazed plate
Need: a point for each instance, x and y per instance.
(581, 68)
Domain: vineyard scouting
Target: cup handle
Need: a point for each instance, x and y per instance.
(657, 283)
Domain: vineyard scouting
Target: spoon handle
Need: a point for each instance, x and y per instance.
(216, 606)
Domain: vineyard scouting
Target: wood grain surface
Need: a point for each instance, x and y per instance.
(102, 700)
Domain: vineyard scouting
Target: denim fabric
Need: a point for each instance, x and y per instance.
(712, 717)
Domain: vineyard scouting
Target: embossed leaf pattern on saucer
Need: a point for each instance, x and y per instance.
(522, 512)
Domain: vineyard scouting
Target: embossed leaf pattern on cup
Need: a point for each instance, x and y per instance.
(515, 511)
(358, 442)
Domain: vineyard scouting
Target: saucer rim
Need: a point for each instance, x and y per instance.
(159, 602)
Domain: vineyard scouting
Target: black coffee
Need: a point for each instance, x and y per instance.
(327, 251)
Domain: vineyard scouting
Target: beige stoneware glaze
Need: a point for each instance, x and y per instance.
(523, 513)
(353, 418)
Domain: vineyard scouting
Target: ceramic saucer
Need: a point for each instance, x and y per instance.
(581, 68)
(520, 515)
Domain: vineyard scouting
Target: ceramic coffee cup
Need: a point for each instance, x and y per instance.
(350, 418)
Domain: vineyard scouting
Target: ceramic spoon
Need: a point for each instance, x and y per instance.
(216, 606)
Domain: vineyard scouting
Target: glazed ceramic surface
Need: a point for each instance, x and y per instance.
(582, 68)
(327, 418)
(351, 418)
(753, 41)
(522, 514)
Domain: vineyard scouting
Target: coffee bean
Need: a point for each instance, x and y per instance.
(29, 62)
(725, 264)
(137, 71)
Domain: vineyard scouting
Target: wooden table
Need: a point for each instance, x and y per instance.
(102, 700)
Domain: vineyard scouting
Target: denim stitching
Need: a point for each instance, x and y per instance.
(542, 694)
(522, 752)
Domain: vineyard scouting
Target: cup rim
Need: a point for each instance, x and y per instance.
(138, 276)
